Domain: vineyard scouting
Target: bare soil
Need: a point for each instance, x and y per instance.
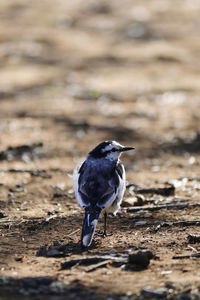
(73, 74)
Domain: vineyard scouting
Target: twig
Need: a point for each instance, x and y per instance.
(85, 261)
(73, 232)
(162, 206)
(32, 172)
(178, 223)
(134, 261)
(185, 223)
(192, 248)
(197, 255)
(51, 217)
(97, 266)
(165, 191)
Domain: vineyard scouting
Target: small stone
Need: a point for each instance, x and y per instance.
(140, 258)
(2, 214)
(193, 239)
(128, 202)
(20, 258)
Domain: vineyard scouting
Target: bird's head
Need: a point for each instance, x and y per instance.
(109, 150)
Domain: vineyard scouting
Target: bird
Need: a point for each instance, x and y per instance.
(100, 183)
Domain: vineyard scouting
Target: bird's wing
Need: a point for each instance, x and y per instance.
(89, 188)
(120, 170)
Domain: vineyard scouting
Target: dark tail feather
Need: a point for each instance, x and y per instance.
(89, 225)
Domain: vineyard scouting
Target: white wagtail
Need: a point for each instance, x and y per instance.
(100, 185)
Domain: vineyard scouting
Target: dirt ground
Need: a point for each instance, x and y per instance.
(73, 74)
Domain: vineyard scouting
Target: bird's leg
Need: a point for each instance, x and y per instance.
(105, 226)
(105, 220)
(104, 232)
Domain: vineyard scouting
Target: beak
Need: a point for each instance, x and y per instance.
(126, 149)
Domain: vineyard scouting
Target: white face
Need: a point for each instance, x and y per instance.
(113, 155)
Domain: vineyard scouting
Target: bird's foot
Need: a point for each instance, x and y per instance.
(103, 234)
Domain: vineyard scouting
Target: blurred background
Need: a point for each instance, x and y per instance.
(75, 73)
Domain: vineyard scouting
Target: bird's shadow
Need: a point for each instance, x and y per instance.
(64, 250)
